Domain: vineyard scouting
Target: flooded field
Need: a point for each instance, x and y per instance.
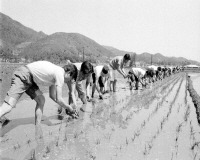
(155, 123)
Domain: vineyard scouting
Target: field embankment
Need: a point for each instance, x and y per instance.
(195, 97)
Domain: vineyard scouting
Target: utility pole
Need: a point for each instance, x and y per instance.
(151, 59)
(83, 54)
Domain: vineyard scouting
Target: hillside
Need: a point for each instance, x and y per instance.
(156, 58)
(19, 41)
(15, 36)
(62, 46)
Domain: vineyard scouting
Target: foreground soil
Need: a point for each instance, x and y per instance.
(159, 122)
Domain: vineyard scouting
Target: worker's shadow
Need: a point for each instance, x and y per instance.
(9, 125)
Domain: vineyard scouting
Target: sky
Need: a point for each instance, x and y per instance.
(169, 27)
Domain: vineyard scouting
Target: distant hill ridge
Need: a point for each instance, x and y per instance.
(19, 41)
(156, 58)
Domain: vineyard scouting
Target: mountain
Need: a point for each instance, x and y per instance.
(15, 36)
(23, 42)
(157, 58)
(66, 46)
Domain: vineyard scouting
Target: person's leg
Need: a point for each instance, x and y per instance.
(40, 100)
(115, 85)
(93, 84)
(93, 89)
(111, 79)
(35, 93)
(7, 106)
(19, 84)
(115, 81)
(81, 93)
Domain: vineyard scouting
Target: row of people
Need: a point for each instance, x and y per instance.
(29, 77)
(102, 77)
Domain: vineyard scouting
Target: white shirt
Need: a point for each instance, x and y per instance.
(78, 65)
(155, 68)
(98, 72)
(138, 72)
(46, 73)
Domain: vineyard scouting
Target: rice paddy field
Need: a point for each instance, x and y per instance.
(158, 122)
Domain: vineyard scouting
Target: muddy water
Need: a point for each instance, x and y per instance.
(156, 123)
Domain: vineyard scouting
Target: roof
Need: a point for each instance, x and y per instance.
(192, 66)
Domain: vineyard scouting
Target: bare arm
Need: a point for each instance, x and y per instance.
(120, 70)
(52, 92)
(73, 93)
(88, 85)
(55, 93)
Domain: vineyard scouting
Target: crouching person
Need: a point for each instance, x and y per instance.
(138, 75)
(27, 78)
(100, 78)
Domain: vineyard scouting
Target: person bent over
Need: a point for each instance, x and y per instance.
(85, 71)
(27, 78)
(138, 75)
(100, 77)
(117, 64)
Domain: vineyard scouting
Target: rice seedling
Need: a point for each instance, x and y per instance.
(50, 133)
(65, 139)
(18, 146)
(145, 150)
(178, 129)
(15, 147)
(127, 141)
(98, 141)
(187, 113)
(137, 133)
(33, 155)
(194, 145)
(109, 136)
(90, 155)
(143, 124)
(28, 142)
(57, 141)
(75, 135)
(47, 149)
(195, 156)
(133, 138)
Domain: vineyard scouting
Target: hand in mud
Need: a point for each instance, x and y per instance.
(101, 97)
(89, 98)
(107, 91)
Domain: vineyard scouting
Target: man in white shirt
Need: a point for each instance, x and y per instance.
(117, 64)
(100, 77)
(27, 78)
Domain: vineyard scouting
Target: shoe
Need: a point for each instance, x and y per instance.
(73, 114)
